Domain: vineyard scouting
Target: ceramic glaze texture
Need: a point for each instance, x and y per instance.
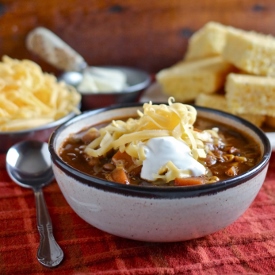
(152, 217)
(158, 220)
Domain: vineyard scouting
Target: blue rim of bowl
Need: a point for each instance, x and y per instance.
(161, 192)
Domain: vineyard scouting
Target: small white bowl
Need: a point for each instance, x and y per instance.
(157, 214)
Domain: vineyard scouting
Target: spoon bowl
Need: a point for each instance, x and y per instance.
(28, 164)
(30, 168)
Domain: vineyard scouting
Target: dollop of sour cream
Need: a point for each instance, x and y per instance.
(161, 151)
(100, 80)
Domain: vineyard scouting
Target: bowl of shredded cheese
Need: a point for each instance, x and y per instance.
(32, 103)
(159, 172)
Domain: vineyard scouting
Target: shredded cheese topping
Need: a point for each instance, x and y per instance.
(175, 119)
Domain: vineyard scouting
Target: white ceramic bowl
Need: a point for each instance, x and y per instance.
(157, 214)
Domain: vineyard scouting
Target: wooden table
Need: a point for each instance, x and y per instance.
(150, 35)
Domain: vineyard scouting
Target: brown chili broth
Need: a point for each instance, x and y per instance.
(69, 152)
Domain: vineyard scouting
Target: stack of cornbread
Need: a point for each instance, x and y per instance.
(228, 69)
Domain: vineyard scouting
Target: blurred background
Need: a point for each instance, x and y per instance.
(150, 35)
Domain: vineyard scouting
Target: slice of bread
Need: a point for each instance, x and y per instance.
(219, 102)
(207, 42)
(250, 51)
(186, 80)
(250, 94)
(214, 101)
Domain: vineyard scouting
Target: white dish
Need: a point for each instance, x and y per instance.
(155, 94)
(271, 137)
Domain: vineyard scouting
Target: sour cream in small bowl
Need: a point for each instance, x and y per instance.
(104, 86)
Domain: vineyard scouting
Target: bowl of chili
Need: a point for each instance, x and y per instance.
(128, 205)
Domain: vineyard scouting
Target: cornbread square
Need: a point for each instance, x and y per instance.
(214, 101)
(257, 120)
(219, 102)
(250, 51)
(207, 41)
(185, 80)
(250, 94)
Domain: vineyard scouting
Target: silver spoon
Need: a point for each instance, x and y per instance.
(28, 164)
(54, 50)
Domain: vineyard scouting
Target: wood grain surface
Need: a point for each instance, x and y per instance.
(149, 34)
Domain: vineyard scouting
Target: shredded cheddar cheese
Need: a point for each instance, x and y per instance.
(30, 98)
(174, 119)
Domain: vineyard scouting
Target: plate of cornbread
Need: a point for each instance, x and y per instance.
(228, 69)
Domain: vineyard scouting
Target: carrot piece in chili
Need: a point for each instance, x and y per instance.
(189, 181)
(124, 158)
(119, 175)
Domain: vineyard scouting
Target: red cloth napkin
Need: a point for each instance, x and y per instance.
(245, 247)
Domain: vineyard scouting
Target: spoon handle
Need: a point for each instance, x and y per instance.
(49, 252)
(54, 50)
